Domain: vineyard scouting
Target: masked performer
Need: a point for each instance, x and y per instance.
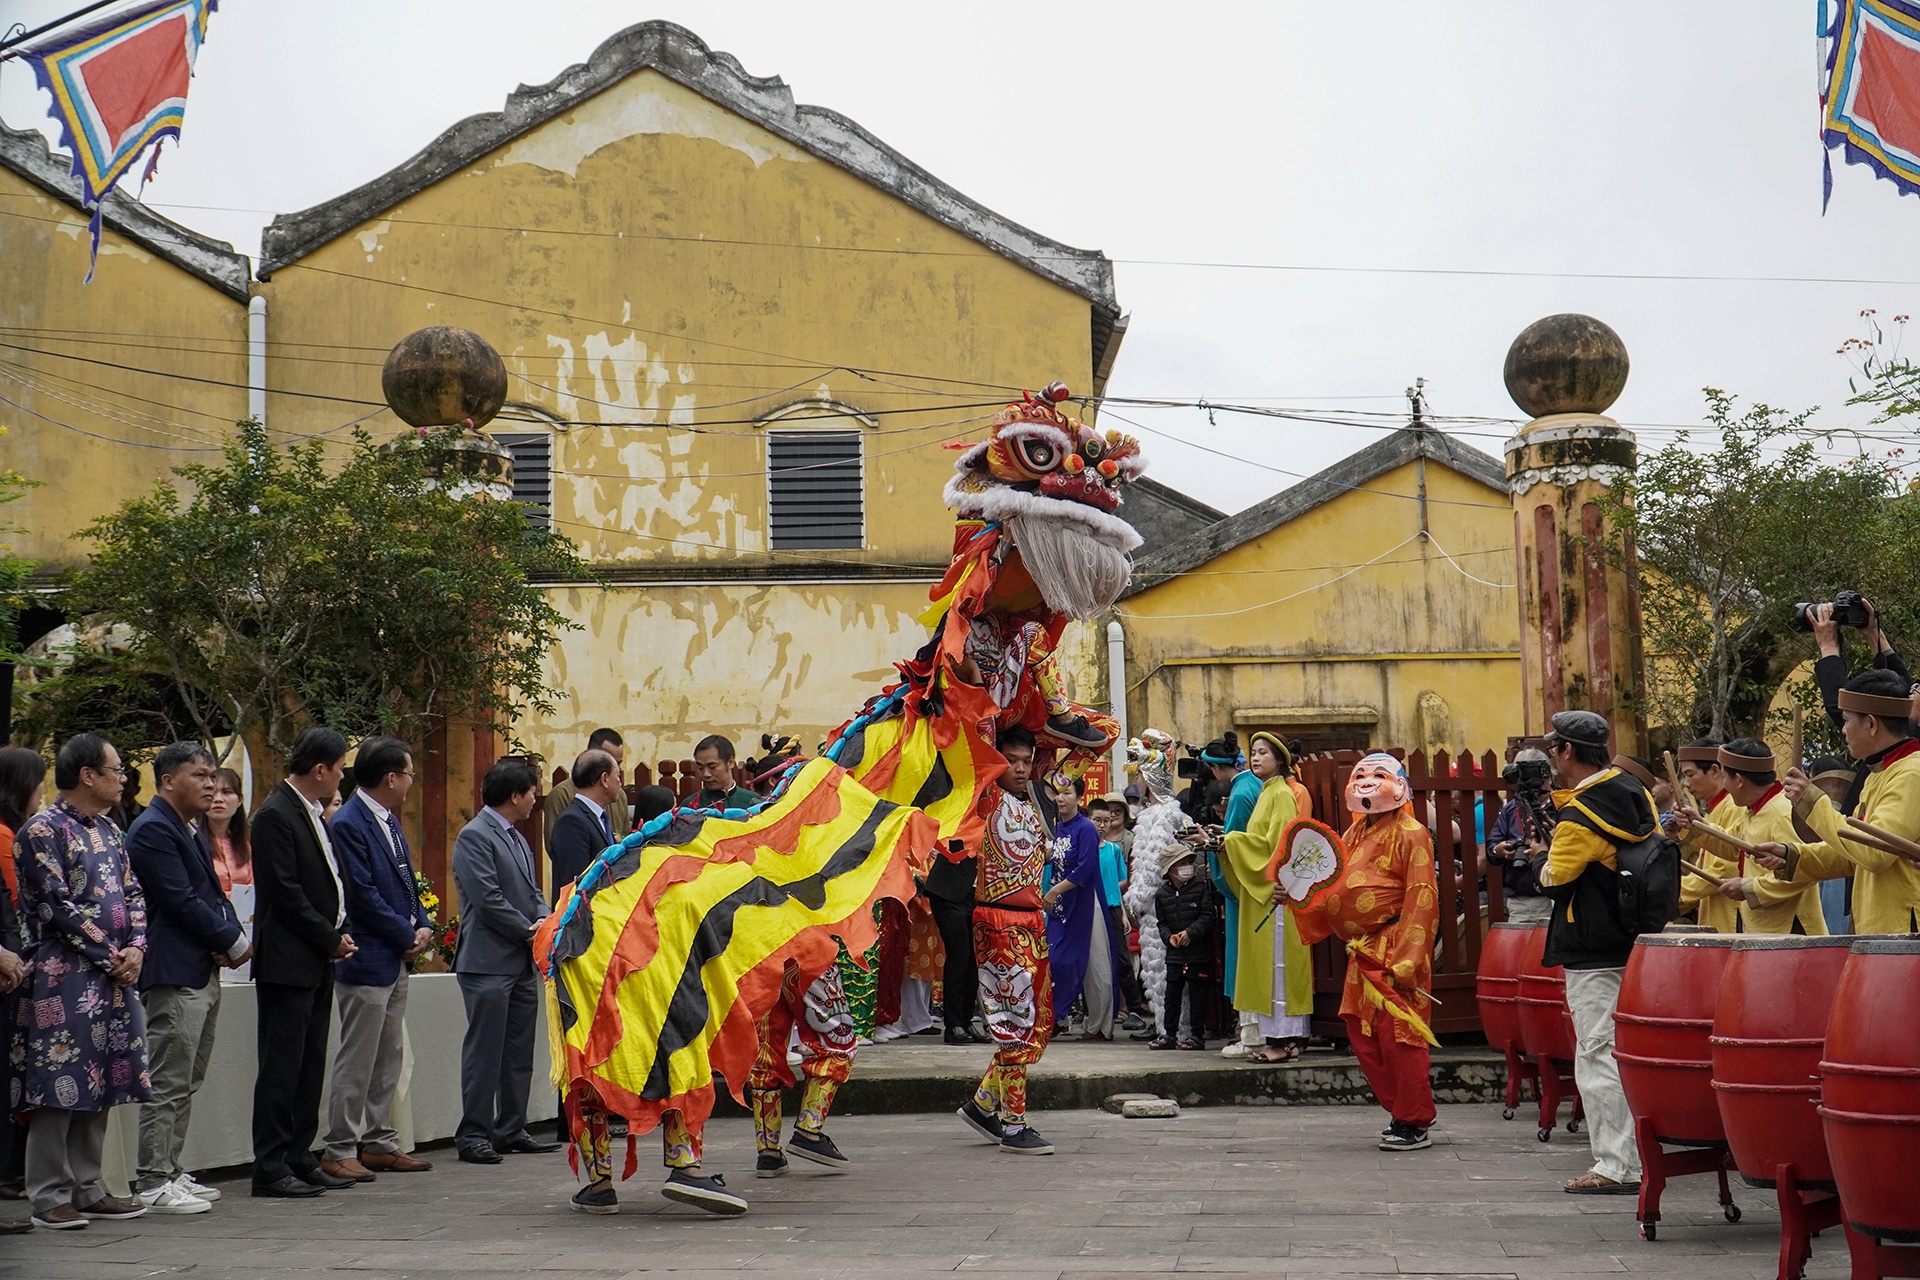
(1385, 911)
(825, 1026)
(673, 946)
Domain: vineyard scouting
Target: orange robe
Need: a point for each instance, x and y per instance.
(1386, 911)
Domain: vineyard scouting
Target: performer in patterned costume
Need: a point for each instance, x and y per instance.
(1385, 911)
(825, 1025)
(1010, 942)
(674, 945)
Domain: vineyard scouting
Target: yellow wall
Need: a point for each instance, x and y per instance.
(636, 341)
(1226, 637)
(122, 429)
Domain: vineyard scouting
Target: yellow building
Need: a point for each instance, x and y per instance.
(739, 331)
(1371, 605)
(104, 388)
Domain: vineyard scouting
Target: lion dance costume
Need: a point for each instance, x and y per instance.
(682, 947)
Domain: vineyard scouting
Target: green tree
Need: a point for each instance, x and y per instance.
(273, 591)
(1728, 540)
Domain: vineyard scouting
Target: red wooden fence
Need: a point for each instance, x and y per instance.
(1445, 793)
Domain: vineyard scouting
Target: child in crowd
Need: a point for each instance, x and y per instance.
(1186, 912)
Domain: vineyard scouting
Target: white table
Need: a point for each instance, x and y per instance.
(425, 1109)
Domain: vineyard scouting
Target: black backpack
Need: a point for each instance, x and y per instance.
(1649, 883)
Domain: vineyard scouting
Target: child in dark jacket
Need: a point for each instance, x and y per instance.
(1187, 913)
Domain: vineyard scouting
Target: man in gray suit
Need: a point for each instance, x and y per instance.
(500, 907)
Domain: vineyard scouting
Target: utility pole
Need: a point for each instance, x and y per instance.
(1417, 405)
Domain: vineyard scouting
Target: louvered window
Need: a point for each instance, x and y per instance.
(532, 473)
(815, 490)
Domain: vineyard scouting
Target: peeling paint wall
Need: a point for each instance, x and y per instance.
(676, 283)
(1287, 622)
(92, 434)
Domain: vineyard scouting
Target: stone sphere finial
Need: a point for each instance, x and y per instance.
(1567, 363)
(441, 376)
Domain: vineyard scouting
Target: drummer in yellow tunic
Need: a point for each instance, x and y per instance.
(1706, 785)
(1886, 887)
(1762, 813)
(1285, 1015)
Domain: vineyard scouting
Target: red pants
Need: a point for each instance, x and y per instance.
(1397, 1073)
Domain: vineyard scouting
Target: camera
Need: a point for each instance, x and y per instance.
(1849, 610)
(1531, 774)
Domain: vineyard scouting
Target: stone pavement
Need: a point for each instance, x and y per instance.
(1231, 1191)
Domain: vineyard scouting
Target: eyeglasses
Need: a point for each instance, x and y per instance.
(116, 771)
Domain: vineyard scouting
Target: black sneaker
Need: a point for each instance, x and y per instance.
(710, 1193)
(1024, 1141)
(587, 1200)
(1404, 1137)
(817, 1147)
(984, 1123)
(1075, 729)
(771, 1164)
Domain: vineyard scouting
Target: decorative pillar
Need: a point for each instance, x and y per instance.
(435, 378)
(1579, 601)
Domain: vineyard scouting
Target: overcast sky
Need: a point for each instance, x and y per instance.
(1631, 137)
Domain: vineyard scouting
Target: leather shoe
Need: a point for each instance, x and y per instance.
(394, 1162)
(350, 1169)
(288, 1186)
(480, 1153)
(527, 1145)
(319, 1177)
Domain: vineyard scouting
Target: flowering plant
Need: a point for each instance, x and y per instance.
(449, 940)
(430, 903)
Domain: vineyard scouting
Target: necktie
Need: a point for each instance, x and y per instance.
(606, 825)
(399, 841)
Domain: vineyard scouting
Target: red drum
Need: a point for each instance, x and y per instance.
(1768, 1030)
(1870, 1089)
(1498, 981)
(1497, 984)
(1661, 1030)
(1546, 1024)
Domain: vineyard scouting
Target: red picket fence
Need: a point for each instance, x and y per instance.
(1446, 791)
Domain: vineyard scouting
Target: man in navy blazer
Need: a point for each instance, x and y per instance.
(584, 828)
(500, 908)
(370, 986)
(191, 931)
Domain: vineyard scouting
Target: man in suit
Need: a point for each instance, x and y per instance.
(370, 986)
(500, 907)
(299, 933)
(191, 932)
(584, 828)
(618, 816)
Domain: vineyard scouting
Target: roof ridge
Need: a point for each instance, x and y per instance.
(27, 153)
(685, 58)
(1294, 501)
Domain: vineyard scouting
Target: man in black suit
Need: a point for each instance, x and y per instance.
(299, 923)
(192, 932)
(584, 828)
(500, 908)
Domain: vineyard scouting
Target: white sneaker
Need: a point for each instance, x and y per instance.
(1234, 1049)
(198, 1190)
(171, 1199)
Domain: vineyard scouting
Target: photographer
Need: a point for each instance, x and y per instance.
(1601, 810)
(1526, 819)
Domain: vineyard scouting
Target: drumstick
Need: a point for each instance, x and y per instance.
(1890, 842)
(1715, 881)
(1872, 842)
(1798, 745)
(1707, 828)
(1673, 777)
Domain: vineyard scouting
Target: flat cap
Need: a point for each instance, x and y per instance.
(1587, 728)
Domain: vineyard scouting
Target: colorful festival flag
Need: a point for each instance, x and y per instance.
(120, 86)
(1870, 96)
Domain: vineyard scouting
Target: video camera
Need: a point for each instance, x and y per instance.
(1849, 610)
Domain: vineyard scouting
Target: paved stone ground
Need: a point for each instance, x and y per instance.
(1267, 1192)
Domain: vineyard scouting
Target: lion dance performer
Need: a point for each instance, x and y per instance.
(673, 951)
(1384, 909)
